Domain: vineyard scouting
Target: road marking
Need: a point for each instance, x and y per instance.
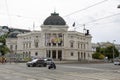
(31, 79)
(88, 68)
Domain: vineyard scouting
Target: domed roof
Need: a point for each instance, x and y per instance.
(54, 19)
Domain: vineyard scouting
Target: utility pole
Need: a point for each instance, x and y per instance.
(113, 50)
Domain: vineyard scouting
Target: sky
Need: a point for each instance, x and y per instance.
(101, 17)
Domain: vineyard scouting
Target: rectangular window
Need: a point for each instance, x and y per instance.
(71, 36)
(15, 47)
(23, 46)
(36, 36)
(72, 54)
(48, 53)
(36, 44)
(71, 44)
(81, 46)
(78, 45)
(29, 45)
(26, 45)
(54, 54)
(36, 54)
(84, 46)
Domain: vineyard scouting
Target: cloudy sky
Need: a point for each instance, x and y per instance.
(101, 17)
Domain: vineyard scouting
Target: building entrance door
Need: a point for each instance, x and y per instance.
(54, 54)
(60, 54)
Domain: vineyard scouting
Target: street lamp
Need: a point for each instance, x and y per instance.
(118, 6)
(113, 49)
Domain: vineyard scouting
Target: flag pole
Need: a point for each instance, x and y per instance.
(84, 29)
(74, 26)
(33, 25)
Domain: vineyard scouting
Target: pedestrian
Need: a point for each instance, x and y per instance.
(3, 60)
(60, 58)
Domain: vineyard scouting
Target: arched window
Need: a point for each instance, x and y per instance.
(71, 44)
(36, 44)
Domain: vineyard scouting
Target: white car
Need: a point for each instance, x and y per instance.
(117, 62)
(48, 60)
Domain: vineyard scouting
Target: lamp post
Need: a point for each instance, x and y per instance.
(113, 50)
(118, 6)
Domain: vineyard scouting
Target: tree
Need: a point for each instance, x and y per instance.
(106, 51)
(109, 52)
(97, 55)
(3, 48)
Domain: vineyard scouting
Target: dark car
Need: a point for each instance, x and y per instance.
(37, 63)
(52, 65)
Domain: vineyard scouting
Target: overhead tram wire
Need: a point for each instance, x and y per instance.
(85, 8)
(84, 24)
(99, 19)
(9, 17)
(103, 18)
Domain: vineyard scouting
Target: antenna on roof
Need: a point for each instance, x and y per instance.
(85, 31)
(54, 10)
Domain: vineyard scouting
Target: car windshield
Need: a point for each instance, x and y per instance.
(49, 59)
(34, 60)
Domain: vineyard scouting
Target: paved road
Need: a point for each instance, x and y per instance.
(16, 71)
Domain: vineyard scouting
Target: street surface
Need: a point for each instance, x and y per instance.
(19, 71)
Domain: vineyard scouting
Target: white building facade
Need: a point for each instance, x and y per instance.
(54, 41)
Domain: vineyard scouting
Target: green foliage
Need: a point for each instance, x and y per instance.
(27, 59)
(95, 55)
(98, 49)
(107, 51)
(101, 56)
(3, 48)
(98, 56)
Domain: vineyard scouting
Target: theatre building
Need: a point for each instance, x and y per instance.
(54, 41)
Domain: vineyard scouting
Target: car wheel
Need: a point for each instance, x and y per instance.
(31, 65)
(44, 65)
(49, 67)
(28, 65)
(39, 65)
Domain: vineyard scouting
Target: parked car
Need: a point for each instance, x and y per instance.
(116, 62)
(48, 60)
(37, 63)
